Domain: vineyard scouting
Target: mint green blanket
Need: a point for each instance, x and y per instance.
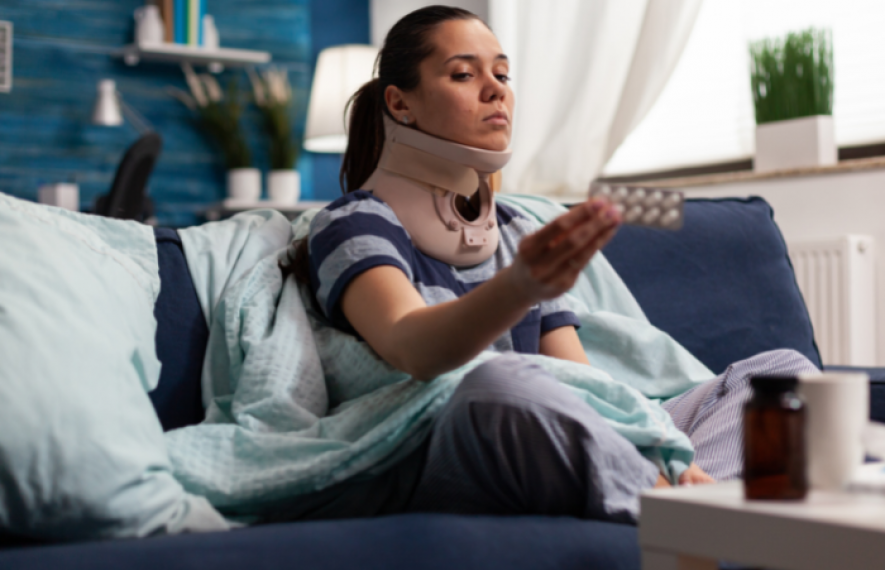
(294, 406)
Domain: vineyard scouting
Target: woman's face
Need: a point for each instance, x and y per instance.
(464, 95)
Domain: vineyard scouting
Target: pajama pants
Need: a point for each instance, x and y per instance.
(513, 440)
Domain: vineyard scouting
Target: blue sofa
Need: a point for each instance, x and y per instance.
(723, 287)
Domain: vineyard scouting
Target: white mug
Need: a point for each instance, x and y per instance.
(837, 409)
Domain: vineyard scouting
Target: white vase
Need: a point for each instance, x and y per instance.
(796, 143)
(283, 186)
(244, 184)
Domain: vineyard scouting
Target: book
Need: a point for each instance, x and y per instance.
(167, 12)
(193, 23)
(180, 20)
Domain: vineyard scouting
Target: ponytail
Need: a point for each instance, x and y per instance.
(365, 136)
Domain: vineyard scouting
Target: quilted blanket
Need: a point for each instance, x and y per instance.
(294, 406)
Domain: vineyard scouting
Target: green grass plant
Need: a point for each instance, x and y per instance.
(792, 77)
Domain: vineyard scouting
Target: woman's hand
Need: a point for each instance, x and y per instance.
(550, 260)
(694, 475)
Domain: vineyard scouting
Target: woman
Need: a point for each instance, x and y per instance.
(511, 440)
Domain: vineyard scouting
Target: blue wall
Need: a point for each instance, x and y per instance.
(60, 52)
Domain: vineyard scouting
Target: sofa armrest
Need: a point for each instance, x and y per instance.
(877, 388)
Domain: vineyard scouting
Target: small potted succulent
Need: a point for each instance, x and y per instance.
(219, 117)
(273, 97)
(792, 80)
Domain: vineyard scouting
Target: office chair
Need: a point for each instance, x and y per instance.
(128, 197)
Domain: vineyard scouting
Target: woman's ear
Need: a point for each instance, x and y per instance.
(396, 102)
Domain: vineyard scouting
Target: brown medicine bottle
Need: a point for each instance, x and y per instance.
(774, 440)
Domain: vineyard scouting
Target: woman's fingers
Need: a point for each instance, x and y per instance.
(581, 237)
(537, 245)
(552, 257)
(568, 258)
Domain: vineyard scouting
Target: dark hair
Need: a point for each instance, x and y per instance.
(405, 47)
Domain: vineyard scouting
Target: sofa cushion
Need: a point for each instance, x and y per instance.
(723, 286)
(181, 339)
(406, 542)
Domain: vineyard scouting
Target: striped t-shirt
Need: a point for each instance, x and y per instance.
(358, 231)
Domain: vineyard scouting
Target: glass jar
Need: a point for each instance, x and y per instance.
(774, 440)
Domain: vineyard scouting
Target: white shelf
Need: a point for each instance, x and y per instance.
(230, 207)
(216, 59)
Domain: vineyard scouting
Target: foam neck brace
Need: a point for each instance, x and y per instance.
(420, 176)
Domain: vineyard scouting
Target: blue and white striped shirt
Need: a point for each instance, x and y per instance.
(358, 231)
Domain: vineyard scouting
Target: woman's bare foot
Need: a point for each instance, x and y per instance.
(694, 475)
(662, 482)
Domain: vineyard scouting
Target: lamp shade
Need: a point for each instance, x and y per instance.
(340, 72)
(107, 106)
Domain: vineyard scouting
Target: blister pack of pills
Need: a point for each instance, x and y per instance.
(642, 206)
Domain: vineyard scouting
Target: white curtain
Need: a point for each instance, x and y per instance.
(585, 74)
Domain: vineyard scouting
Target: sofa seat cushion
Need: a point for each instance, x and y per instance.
(413, 542)
(723, 286)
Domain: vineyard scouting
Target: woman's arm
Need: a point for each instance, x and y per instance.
(389, 313)
(563, 343)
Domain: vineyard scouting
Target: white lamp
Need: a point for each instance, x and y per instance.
(106, 111)
(109, 109)
(340, 72)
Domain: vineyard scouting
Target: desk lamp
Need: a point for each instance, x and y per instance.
(128, 196)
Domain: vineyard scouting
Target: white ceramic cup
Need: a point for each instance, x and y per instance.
(837, 408)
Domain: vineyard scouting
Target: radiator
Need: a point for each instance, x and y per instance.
(837, 280)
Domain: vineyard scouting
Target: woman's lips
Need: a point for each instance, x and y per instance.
(497, 119)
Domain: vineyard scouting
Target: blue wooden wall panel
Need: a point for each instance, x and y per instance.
(62, 48)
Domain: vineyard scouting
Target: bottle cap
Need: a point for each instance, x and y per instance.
(774, 384)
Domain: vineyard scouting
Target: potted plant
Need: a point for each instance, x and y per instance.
(793, 94)
(273, 97)
(219, 117)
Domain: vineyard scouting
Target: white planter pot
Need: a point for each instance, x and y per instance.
(283, 186)
(796, 143)
(244, 184)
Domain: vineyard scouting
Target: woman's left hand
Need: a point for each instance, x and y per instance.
(694, 475)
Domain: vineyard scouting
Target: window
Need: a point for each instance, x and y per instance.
(705, 113)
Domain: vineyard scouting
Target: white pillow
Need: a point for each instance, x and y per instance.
(82, 453)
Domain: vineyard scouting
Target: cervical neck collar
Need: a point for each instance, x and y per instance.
(420, 176)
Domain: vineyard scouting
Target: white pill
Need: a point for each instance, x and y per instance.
(672, 200)
(670, 218)
(620, 194)
(653, 198)
(619, 208)
(636, 196)
(603, 190)
(650, 216)
(633, 214)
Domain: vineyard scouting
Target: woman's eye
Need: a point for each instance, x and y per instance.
(503, 78)
(460, 76)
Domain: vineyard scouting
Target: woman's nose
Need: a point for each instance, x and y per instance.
(493, 89)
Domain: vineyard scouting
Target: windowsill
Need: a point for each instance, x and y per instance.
(841, 167)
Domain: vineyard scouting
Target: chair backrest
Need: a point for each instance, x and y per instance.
(723, 286)
(128, 194)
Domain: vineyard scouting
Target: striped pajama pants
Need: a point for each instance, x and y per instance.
(512, 440)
